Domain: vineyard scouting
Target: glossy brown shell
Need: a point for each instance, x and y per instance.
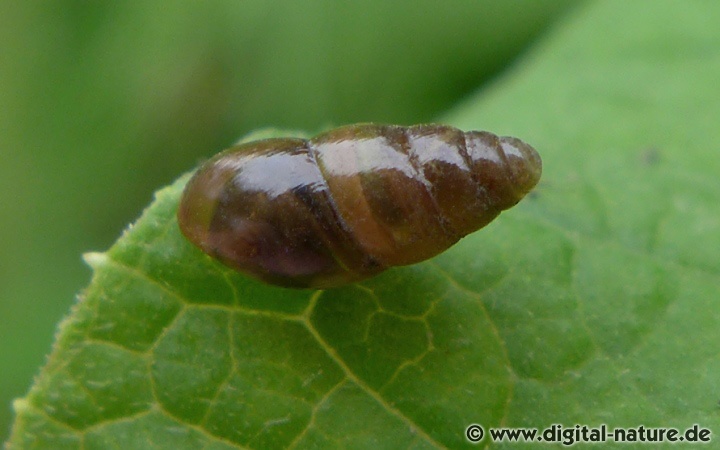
(351, 202)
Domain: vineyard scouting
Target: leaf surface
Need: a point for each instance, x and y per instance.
(593, 301)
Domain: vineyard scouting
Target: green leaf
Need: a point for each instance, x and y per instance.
(593, 301)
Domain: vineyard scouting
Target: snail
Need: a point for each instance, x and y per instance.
(353, 201)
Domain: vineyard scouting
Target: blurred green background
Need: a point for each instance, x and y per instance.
(101, 103)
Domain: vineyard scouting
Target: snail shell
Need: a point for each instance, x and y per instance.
(351, 202)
